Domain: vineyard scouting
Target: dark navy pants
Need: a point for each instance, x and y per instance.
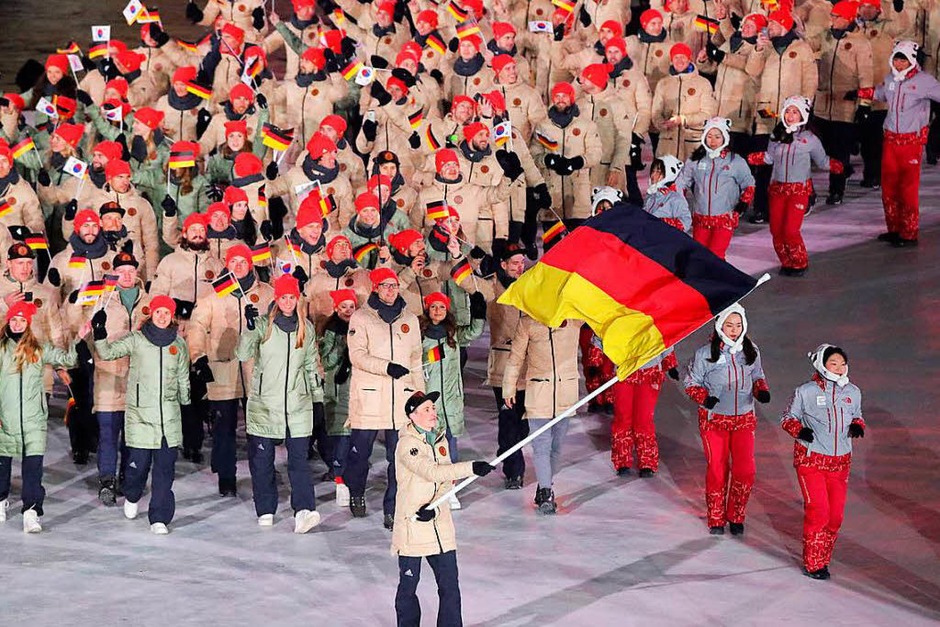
(111, 443)
(357, 464)
(224, 424)
(339, 444)
(163, 462)
(263, 483)
(512, 429)
(448, 591)
(33, 492)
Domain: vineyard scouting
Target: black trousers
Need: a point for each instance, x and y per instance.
(511, 430)
(407, 607)
(194, 415)
(871, 140)
(933, 134)
(83, 425)
(762, 173)
(224, 426)
(837, 138)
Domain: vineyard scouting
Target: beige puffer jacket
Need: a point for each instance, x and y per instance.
(735, 89)
(845, 65)
(139, 218)
(571, 194)
(791, 72)
(691, 97)
(186, 275)
(24, 207)
(503, 321)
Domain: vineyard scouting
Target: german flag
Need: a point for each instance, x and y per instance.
(327, 205)
(148, 15)
(225, 285)
(72, 49)
(704, 24)
(110, 282)
(554, 233)
(37, 241)
(77, 261)
(262, 198)
(188, 47)
(457, 13)
(22, 147)
(195, 88)
(350, 71)
(640, 284)
(260, 253)
(89, 293)
(566, 5)
(276, 138)
(437, 210)
(182, 159)
(415, 119)
(549, 144)
(433, 144)
(5, 207)
(467, 29)
(295, 249)
(338, 17)
(435, 43)
(461, 271)
(363, 251)
(434, 355)
(98, 50)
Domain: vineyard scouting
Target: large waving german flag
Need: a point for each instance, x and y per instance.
(640, 284)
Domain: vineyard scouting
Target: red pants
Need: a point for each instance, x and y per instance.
(598, 368)
(714, 232)
(728, 452)
(900, 187)
(787, 203)
(823, 508)
(634, 406)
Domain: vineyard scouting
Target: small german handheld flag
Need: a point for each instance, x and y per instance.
(188, 47)
(110, 282)
(72, 49)
(90, 292)
(22, 147)
(437, 210)
(457, 13)
(327, 205)
(434, 355)
(262, 198)
(182, 159)
(702, 23)
(467, 29)
(415, 119)
(196, 89)
(566, 5)
(276, 138)
(5, 207)
(435, 43)
(350, 71)
(98, 50)
(461, 271)
(225, 285)
(295, 249)
(433, 144)
(260, 253)
(363, 251)
(77, 261)
(549, 144)
(554, 233)
(37, 241)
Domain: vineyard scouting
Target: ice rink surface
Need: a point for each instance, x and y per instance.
(621, 550)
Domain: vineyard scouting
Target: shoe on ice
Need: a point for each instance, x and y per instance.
(227, 487)
(717, 531)
(266, 520)
(821, 574)
(545, 500)
(107, 491)
(646, 473)
(513, 483)
(834, 199)
(342, 495)
(737, 529)
(623, 472)
(4, 505)
(80, 458)
(130, 510)
(454, 503)
(900, 242)
(159, 529)
(389, 522)
(31, 522)
(305, 520)
(357, 505)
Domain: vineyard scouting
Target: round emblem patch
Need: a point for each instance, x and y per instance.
(873, 34)
(848, 46)
(330, 190)
(145, 311)
(315, 91)
(37, 302)
(242, 8)
(442, 450)
(254, 298)
(793, 54)
(626, 83)
(349, 282)
(210, 274)
(429, 54)
(659, 53)
(516, 102)
(458, 199)
(484, 169)
(539, 11)
(576, 132)
(476, 81)
(132, 211)
(158, 66)
(603, 113)
(405, 328)
(323, 263)
(427, 273)
(691, 91)
(400, 203)
(342, 167)
(173, 350)
(11, 201)
(387, 41)
(105, 265)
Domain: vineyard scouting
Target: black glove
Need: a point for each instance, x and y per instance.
(762, 396)
(319, 414)
(673, 374)
(510, 163)
(584, 17)
(453, 44)
(88, 64)
(251, 313)
(193, 12)
(481, 469)
(348, 47)
(713, 52)
(261, 101)
(85, 361)
(806, 434)
(477, 253)
(740, 208)
(856, 430)
(424, 514)
(202, 122)
(710, 402)
(573, 164)
(271, 171)
(636, 152)
(184, 308)
(396, 371)
(71, 208)
(377, 91)
(169, 207)
(477, 306)
(257, 18)
(19, 232)
(138, 148)
(543, 197)
(43, 178)
(159, 35)
(73, 297)
(125, 153)
(558, 32)
(343, 370)
(370, 128)
(378, 62)
(54, 278)
(862, 114)
(898, 6)
(267, 230)
(215, 193)
(852, 94)
(328, 6)
(736, 21)
(302, 277)
(499, 247)
(436, 75)
(552, 161)
(333, 64)
(99, 323)
(83, 97)
(414, 140)
(202, 371)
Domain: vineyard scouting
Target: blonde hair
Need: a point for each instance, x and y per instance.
(301, 322)
(27, 351)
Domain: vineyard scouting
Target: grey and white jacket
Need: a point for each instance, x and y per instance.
(730, 379)
(716, 183)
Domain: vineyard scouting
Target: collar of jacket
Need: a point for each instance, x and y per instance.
(130, 77)
(337, 270)
(496, 50)
(504, 279)
(689, 70)
(738, 40)
(300, 24)
(287, 324)
(157, 336)
(336, 324)
(436, 331)
(316, 172)
(10, 179)
(599, 49)
(562, 119)
(113, 238)
(388, 313)
(379, 31)
(245, 181)
(473, 155)
(646, 38)
(782, 42)
(625, 64)
(96, 250)
(307, 79)
(97, 177)
(230, 232)
(184, 103)
(305, 246)
(230, 114)
(438, 239)
(468, 68)
(443, 181)
(430, 437)
(247, 282)
(364, 230)
(57, 161)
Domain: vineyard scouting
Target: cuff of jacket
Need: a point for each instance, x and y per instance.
(697, 393)
(670, 361)
(759, 386)
(792, 426)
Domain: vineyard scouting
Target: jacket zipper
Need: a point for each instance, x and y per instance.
(286, 379)
(832, 69)
(441, 370)
(734, 366)
(711, 177)
(22, 424)
(160, 399)
(434, 520)
(391, 343)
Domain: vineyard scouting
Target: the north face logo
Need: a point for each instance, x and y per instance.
(848, 401)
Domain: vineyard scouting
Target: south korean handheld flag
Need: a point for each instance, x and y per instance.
(365, 76)
(133, 9)
(540, 26)
(75, 167)
(47, 108)
(101, 33)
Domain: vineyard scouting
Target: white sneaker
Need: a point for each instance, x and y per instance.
(130, 510)
(159, 529)
(266, 520)
(342, 495)
(31, 522)
(4, 504)
(305, 520)
(454, 503)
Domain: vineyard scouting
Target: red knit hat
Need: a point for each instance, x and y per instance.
(474, 6)
(385, 6)
(413, 47)
(129, 60)
(59, 61)
(428, 16)
(647, 16)
(462, 98)
(22, 309)
(219, 207)
(394, 81)
(597, 73)
(502, 28)
(680, 48)
(336, 122)
(185, 74)
(300, 4)
(367, 199)
(437, 297)
(319, 145)
(163, 302)
(16, 100)
(151, 118)
(406, 55)
(760, 21)
(83, 217)
(286, 285)
(782, 17)
(444, 155)
(236, 126)
(617, 42)
(341, 296)
(247, 163)
(234, 32)
(119, 85)
(563, 88)
(613, 26)
(339, 239)
(184, 146)
(475, 40)
(403, 240)
(194, 219)
(470, 130)
(314, 55)
(65, 107)
(376, 180)
(380, 275)
(241, 90)
(233, 195)
(846, 10)
(117, 167)
(5, 151)
(116, 47)
(239, 250)
(500, 61)
(109, 150)
(71, 133)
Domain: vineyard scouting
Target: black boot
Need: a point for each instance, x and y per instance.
(80, 457)
(389, 522)
(821, 574)
(513, 483)
(900, 242)
(717, 531)
(646, 473)
(227, 487)
(623, 472)
(107, 491)
(737, 529)
(357, 505)
(889, 237)
(545, 499)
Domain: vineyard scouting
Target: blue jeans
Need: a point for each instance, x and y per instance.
(357, 464)
(407, 607)
(33, 492)
(263, 484)
(162, 499)
(111, 443)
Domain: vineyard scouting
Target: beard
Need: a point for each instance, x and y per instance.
(201, 245)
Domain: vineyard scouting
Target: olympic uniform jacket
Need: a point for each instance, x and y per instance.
(688, 97)
(845, 65)
(571, 194)
(441, 364)
(793, 161)
(550, 358)
(524, 106)
(909, 102)
(784, 70)
(21, 205)
(735, 89)
(376, 400)
(186, 275)
(424, 473)
(503, 320)
(157, 384)
(881, 34)
(716, 183)
(139, 218)
(828, 409)
(237, 13)
(614, 128)
(669, 205)
(334, 357)
(318, 289)
(23, 409)
(730, 379)
(47, 323)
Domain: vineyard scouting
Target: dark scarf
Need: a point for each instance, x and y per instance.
(305, 246)
(387, 212)
(388, 313)
(130, 77)
(468, 68)
(10, 179)
(338, 270)
(316, 172)
(157, 336)
(57, 161)
(113, 238)
(782, 42)
(738, 40)
(562, 119)
(380, 32)
(246, 282)
(496, 50)
(337, 325)
(287, 324)
(436, 332)
(16, 337)
(245, 181)
(96, 250)
(599, 49)
(230, 114)
(688, 70)
(472, 154)
(184, 103)
(307, 79)
(839, 33)
(97, 177)
(300, 24)
(230, 232)
(244, 229)
(401, 258)
(437, 177)
(625, 64)
(362, 230)
(646, 38)
(504, 279)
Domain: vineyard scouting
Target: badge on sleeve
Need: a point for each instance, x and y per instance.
(820, 401)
